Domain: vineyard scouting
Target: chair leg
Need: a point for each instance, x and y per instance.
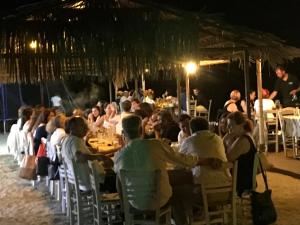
(234, 214)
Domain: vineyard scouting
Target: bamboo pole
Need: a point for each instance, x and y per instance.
(110, 91)
(261, 115)
(136, 87)
(143, 82)
(187, 91)
(178, 80)
(247, 82)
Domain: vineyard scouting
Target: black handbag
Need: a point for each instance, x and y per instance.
(42, 166)
(263, 210)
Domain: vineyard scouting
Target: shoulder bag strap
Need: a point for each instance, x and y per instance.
(263, 175)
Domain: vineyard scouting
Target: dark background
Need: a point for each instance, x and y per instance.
(215, 82)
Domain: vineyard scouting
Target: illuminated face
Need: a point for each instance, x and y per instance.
(196, 91)
(184, 126)
(134, 105)
(95, 112)
(108, 109)
(252, 95)
(280, 73)
(51, 115)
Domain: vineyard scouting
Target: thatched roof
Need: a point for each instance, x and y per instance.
(119, 41)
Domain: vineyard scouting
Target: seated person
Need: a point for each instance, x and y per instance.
(242, 148)
(125, 108)
(184, 124)
(135, 104)
(166, 127)
(94, 118)
(74, 148)
(252, 96)
(267, 104)
(233, 104)
(141, 154)
(111, 118)
(205, 144)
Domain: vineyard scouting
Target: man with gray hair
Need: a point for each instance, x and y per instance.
(149, 155)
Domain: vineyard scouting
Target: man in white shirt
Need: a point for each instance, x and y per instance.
(205, 144)
(267, 104)
(141, 154)
(125, 108)
(184, 125)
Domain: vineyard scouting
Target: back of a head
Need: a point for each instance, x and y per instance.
(184, 117)
(241, 119)
(146, 108)
(198, 124)
(59, 121)
(265, 93)
(126, 106)
(77, 126)
(166, 116)
(132, 126)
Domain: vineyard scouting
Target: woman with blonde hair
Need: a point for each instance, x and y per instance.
(234, 104)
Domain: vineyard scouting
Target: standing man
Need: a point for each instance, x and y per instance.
(288, 86)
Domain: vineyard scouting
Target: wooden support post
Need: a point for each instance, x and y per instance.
(110, 91)
(247, 82)
(143, 82)
(116, 92)
(261, 114)
(178, 80)
(136, 87)
(187, 90)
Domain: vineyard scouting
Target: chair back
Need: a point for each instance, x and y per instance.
(95, 178)
(141, 190)
(220, 195)
(289, 111)
(193, 105)
(209, 109)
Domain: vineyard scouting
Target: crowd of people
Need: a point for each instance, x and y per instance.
(146, 136)
(149, 138)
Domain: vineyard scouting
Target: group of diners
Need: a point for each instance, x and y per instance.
(146, 136)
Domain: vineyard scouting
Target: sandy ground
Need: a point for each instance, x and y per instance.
(21, 204)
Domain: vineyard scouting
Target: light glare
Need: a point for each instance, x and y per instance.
(33, 44)
(191, 67)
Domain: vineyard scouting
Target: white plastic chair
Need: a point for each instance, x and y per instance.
(106, 207)
(216, 210)
(79, 202)
(143, 186)
(287, 141)
(272, 126)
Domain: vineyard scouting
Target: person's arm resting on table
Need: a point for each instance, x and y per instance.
(185, 160)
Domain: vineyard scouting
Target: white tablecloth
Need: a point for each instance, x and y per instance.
(292, 126)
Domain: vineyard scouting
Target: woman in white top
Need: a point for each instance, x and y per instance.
(57, 136)
(110, 119)
(267, 104)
